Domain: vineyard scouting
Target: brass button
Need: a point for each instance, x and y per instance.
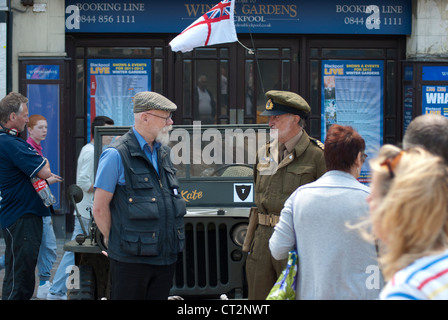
(153, 199)
(130, 199)
(146, 179)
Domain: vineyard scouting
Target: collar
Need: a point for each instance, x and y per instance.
(291, 143)
(142, 142)
(35, 145)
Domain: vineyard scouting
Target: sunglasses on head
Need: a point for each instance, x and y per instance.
(391, 163)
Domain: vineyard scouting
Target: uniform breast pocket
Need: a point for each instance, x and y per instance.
(297, 176)
(264, 174)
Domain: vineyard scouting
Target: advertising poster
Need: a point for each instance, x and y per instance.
(44, 100)
(112, 86)
(3, 72)
(435, 100)
(352, 95)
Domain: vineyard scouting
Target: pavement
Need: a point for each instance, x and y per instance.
(60, 253)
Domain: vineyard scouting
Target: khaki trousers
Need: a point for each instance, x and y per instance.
(262, 270)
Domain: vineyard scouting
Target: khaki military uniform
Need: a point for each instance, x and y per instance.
(274, 183)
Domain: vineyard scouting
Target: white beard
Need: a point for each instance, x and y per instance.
(163, 136)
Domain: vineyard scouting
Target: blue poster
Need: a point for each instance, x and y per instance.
(44, 100)
(352, 95)
(408, 104)
(251, 16)
(435, 100)
(112, 86)
(435, 73)
(42, 72)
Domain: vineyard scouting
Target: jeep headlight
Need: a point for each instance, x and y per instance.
(239, 233)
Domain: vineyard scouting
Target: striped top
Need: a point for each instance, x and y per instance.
(424, 279)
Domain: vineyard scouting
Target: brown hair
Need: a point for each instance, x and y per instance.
(342, 145)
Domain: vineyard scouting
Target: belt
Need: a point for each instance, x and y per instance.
(269, 220)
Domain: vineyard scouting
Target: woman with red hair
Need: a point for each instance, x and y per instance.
(37, 132)
(334, 261)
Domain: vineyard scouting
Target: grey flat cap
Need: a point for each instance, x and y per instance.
(148, 100)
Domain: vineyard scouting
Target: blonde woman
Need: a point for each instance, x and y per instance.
(409, 214)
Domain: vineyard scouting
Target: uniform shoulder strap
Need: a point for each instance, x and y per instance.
(317, 142)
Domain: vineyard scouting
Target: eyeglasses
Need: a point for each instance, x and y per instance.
(165, 118)
(391, 163)
(364, 157)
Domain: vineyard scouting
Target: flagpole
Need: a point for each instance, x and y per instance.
(254, 52)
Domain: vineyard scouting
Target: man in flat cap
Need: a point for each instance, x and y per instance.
(298, 159)
(137, 204)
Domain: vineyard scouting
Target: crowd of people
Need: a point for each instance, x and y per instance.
(388, 240)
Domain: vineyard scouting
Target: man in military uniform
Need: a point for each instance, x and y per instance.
(282, 166)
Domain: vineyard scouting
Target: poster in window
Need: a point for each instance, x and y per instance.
(44, 100)
(352, 95)
(112, 86)
(435, 100)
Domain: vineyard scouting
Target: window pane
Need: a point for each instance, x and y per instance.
(352, 53)
(250, 88)
(118, 52)
(224, 53)
(80, 81)
(286, 75)
(270, 73)
(157, 81)
(206, 53)
(314, 88)
(391, 102)
(187, 85)
(286, 53)
(268, 53)
(158, 52)
(224, 96)
(314, 52)
(205, 92)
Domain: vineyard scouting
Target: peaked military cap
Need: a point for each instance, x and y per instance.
(280, 102)
(148, 100)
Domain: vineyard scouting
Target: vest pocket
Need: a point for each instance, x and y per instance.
(180, 233)
(140, 243)
(179, 205)
(143, 208)
(140, 178)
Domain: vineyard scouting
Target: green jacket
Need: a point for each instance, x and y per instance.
(274, 183)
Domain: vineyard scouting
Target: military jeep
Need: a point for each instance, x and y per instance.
(215, 170)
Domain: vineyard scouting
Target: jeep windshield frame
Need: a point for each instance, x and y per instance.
(214, 163)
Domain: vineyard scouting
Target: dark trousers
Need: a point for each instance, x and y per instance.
(22, 241)
(139, 281)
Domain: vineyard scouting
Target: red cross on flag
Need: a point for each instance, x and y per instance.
(214, 27)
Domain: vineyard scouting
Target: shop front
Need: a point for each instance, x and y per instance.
(345, 59)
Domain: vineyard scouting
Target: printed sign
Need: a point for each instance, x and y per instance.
(243, 192)
(435, 100)
(42, 72)
(352, 95)
(435, 73)
(112, 86)
(251, 16)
